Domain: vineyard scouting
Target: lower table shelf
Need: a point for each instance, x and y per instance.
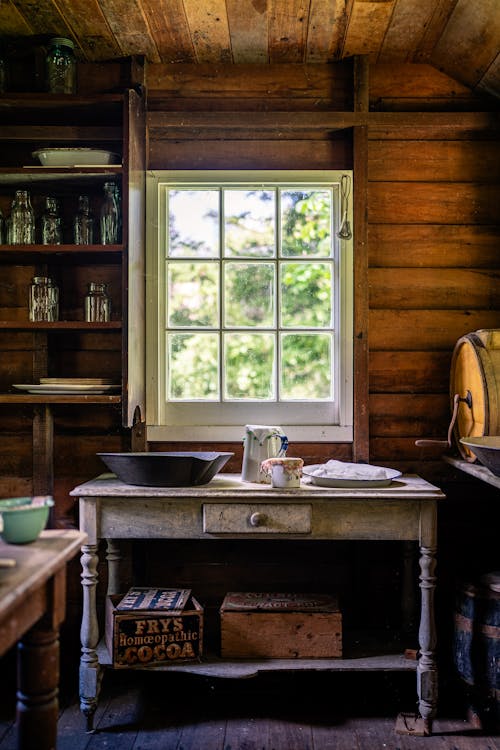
(214, 666)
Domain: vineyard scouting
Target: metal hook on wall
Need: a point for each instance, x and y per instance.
(345, 232)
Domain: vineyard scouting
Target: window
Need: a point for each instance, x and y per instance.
(249, 317)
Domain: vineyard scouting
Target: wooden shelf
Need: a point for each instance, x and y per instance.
(474, 469)
(33, 174)
(29, 398)
(60, 325)
(44, 100)
(214, 666)
(31, 254)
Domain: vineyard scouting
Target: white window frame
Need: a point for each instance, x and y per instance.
(222, 425)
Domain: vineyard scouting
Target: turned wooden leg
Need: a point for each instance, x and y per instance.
(408, 593)
(37, 695)
(113, 558)
(427, 684)
(90, 670)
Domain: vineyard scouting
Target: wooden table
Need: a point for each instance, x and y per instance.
(32, 608)
(227, 508)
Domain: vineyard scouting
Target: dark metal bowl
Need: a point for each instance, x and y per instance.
(487, 450)
(170, 469)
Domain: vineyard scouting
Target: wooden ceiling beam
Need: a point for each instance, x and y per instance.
(171, 125)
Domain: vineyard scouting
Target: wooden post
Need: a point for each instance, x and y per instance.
(361, 447)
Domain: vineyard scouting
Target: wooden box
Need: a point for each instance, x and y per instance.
(288, 626)
(148, 633)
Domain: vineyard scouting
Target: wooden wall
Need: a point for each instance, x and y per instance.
(434, 261)
(433, 212)
(433, 234)
(432, 266)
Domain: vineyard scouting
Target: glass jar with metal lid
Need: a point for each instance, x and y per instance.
(61, 66)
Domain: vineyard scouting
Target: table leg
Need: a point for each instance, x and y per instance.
(427, 683)
(37, 694)
(90, 669)
(113, 558)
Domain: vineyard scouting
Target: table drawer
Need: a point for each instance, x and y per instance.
(258, 518)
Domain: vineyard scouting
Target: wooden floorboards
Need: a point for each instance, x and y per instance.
(310, 711)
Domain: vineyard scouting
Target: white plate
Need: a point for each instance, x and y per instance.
(70, 157)
(77, 381)
(57, 390)
(332, 481)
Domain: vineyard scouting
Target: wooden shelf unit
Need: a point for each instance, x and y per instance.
(115, 122)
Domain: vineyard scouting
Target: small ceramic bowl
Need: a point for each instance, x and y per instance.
(23, 518)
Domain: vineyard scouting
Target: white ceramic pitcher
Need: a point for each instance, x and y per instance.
(261, 442)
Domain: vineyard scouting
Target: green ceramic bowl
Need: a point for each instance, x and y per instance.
(23, 518)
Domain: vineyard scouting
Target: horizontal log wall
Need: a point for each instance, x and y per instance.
(433, 212)
(433, 237)
(434, 233)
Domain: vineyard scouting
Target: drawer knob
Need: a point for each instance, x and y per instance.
(257, 519)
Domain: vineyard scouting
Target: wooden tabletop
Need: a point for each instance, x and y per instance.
(35, 563)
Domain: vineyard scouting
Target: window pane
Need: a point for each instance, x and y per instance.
(306, 223)
(193, 371)
(306, 295)
(193, 223)
(193, 295)
(306, 366)
(248, 366)
(249, 223)
(249, 294)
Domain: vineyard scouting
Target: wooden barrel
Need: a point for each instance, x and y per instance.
(475, 377)
(476, 643)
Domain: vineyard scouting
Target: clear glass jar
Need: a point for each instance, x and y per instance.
(60, 63)
(97, 305)
(110, 215)
(21, 229)
(83, 223)
(43, 299)
(51, 223)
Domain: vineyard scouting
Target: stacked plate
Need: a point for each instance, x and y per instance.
(68, 386)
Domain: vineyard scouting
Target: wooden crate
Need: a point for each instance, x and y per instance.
(153, 637)
(289, 626)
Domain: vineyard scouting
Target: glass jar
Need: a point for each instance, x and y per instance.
(21, 228)
(60, 64)
(110, 215)
(83, 223)
(97, 305)
(51, 223)
(43, 299)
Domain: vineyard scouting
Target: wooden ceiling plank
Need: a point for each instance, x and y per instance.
(469, 42)
(372, 15)
(412, 80)
(490, 82)
(42, 16)
(247, 21)
(128, 23)
(169, 28)
(408, 23)
(440, 17)
(209, 29)
(326, 30)
(13, 22)
(89, 29)
(288, 21)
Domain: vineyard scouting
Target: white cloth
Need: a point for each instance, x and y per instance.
(343, 470)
